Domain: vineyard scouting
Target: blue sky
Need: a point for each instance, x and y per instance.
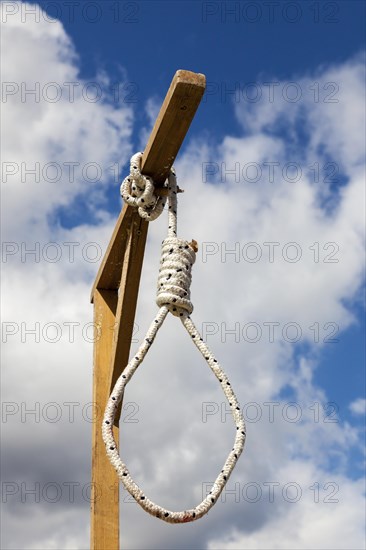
(204, 37)
(305, 60)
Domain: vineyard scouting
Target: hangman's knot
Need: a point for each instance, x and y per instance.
(177, 258)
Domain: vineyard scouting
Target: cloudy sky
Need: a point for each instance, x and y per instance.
(273, 172)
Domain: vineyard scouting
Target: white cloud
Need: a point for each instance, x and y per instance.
(358, 406)
(171, 388)
(65, 136)
(325, 101)
(322, 515)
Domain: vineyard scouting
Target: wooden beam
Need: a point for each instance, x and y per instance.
(127, 300)
(109, 273)
(174, 119)
(171, 126)
(104, 495)
(115, 292)
(175, 116)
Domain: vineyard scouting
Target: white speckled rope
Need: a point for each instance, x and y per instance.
(138, 190)
(173, 295)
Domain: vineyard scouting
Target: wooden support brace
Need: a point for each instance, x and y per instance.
(115, 293)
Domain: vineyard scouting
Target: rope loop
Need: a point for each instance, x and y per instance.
(173, 295)
(138, 191)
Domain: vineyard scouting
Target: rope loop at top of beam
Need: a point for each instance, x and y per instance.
(138, 190)
(173, 295)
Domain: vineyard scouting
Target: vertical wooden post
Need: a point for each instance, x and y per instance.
(105, 486)
(115, 292)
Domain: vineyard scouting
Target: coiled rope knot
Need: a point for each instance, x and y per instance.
(177, 258)
(138, 190)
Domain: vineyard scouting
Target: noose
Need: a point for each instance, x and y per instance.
(173, 295)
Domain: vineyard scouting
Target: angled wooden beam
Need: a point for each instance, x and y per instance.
(171, 126)
(109, 273)
(175, 117)
(115, 293)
